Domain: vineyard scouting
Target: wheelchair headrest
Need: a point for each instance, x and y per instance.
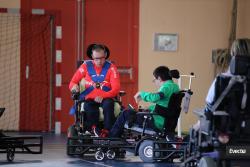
(174, 73)
(240, 65)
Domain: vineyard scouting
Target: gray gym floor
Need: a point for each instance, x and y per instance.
(54, 154)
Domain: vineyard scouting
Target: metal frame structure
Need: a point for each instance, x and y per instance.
(22, 144)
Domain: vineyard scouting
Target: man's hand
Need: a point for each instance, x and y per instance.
(98, 99)
(75, 88)
(137, 97)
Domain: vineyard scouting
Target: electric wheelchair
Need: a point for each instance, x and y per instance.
(19, 144)
(150, 144)
(228, 116)
(155, 145)
(78, 130)
(82, 142)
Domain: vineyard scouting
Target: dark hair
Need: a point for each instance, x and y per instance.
(165, 74)
(97, 47)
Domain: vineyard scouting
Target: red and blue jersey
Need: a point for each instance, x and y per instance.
(109, 82)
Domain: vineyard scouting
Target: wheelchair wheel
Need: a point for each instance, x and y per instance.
(207, 162)
(146, 151)
(10, 154)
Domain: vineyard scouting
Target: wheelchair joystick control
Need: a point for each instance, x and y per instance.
(97, 85)
(140, 109)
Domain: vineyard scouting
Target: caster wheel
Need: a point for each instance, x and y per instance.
(110, 154)
(10, 154)
(99, 155)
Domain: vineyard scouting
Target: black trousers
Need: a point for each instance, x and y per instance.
(125, 115)
(92, 113)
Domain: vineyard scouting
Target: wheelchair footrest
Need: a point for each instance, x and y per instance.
(140, 129)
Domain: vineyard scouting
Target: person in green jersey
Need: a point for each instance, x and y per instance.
(163, 80)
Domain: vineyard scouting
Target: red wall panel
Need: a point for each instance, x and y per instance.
(116, 23)
(113, 22)
(65, 11)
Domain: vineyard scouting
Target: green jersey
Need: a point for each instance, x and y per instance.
(167, 88)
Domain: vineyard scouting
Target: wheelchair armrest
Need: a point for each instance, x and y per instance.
(81, 101)
(144, 129)
(220, 113)
(122, 93)
(146, 113)
(201, 113)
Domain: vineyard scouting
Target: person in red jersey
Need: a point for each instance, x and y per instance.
(102, 84)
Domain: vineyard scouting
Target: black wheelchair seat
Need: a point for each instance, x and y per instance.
(235, 104)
